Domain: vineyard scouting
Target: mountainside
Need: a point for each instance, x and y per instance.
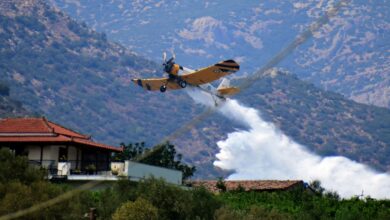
(10, 107)
(348, 55)
(76, 77)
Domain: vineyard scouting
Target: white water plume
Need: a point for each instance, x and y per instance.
(264, 152)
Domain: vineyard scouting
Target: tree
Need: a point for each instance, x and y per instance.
(130, 151)
(174, 202)
(315, 185)
(141, 209)
(16, 168)
(163, 155)
(221, 184)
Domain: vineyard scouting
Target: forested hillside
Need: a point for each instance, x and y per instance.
(348, 55)
(10, 107)
(78, 78)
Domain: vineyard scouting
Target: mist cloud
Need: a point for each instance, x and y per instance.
(264, 152)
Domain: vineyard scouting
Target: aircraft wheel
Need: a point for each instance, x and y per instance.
(163, 88)
(182, 83)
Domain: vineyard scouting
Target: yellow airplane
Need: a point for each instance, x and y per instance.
(194, 78)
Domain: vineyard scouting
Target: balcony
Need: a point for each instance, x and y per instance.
(87, 170)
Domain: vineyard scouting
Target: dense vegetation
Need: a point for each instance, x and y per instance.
(300, 205)
(22, 186)
(210, 33)
(74, 76)
(10, 107)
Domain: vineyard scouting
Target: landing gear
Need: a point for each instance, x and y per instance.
(182, 83)
(163, 88)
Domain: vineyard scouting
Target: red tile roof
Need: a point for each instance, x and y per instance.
(22, 130)
(24, 125)
(34, 139)
(94, 144)
(249, 185)
(65, 131)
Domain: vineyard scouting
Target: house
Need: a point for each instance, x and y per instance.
(48, 144)
(250, 185)
(71, 155)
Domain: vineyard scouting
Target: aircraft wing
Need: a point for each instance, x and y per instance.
(211, 73)
(155, 83)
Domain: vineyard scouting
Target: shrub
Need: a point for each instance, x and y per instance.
(16, 168)
(141, 209)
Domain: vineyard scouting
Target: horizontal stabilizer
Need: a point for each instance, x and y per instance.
(228, 91)
(224, 88)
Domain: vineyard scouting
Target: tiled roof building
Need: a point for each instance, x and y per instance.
(250, 185)
(41, 130)
(46, 143)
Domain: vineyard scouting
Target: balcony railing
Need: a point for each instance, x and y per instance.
(74, 167)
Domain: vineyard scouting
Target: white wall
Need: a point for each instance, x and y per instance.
(48, 153)
(72, 153)
(138, 171)
(34, 152)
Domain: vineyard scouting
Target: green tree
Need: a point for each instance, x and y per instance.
(130, 151)
(141, 209)
(204, 204)
(174, 202)
(315, 185)
(163, 155)
(221, 184)
(171, 201)
(16, 168)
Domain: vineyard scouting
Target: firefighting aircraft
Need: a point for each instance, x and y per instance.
(196, 78)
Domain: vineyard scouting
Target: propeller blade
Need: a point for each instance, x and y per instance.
(173, 55)
(164, 57)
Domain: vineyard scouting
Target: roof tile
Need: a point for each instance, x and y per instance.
(24, 125)
(249, 185)
(40, 130)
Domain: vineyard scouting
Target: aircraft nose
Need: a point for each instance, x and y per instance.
(137, 81)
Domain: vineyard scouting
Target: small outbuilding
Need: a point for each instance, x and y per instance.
(249, 185)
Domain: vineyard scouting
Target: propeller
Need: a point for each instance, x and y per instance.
(164, 57)
(168, 63)
(173, 55)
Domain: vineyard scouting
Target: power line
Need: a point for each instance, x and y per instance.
(303, 37)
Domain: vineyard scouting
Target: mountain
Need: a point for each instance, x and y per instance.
(10, 107)
(76, 77)
(348, 55)
(73, 74)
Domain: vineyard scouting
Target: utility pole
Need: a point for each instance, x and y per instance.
(92, 214)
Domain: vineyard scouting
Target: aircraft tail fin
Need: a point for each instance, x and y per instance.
(224, 88)
(224, 84)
